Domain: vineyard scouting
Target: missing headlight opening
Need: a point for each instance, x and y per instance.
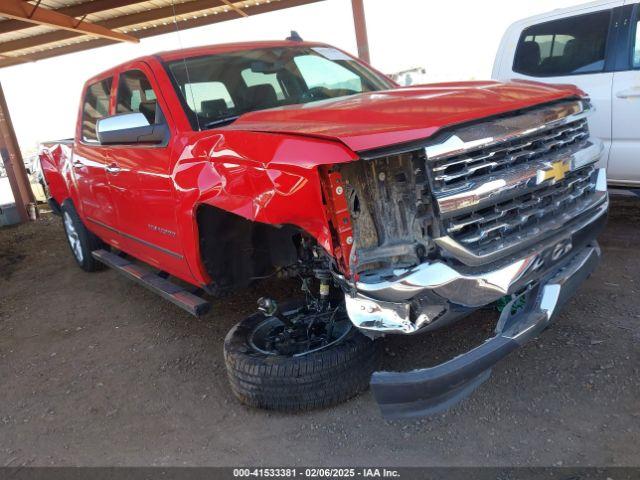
(391, 209)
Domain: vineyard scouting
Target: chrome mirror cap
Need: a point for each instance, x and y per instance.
(130, 128)
(122, 121)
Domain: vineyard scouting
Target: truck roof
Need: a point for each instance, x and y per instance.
(230, 47)
(208, 50)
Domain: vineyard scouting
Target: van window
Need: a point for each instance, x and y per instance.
(636, 48)
(135, 94)
(94, 107)
(569, 46)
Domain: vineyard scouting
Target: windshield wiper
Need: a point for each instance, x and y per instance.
(221, 121)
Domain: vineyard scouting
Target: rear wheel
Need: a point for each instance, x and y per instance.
(298, 359)
(81, 241)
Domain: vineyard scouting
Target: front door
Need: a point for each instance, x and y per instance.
(89, 164)
(141, 181)
(624, 161)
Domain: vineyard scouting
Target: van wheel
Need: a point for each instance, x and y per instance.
(81, 241)
(299, 359)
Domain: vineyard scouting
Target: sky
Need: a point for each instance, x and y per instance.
(451, 40)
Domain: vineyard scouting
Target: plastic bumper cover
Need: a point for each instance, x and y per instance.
(430, 390)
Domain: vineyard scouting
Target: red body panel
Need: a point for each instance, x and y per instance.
(379, 119)
(265, 167)
(54, 161)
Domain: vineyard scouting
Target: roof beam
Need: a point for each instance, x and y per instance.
(77, 10)
(163, 13)
(19, 10)
(241, 12)
(20, 59)
(153, 31)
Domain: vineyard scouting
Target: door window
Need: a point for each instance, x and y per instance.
(636, 48)
(135, 94)
(569, 46)
(94, 107)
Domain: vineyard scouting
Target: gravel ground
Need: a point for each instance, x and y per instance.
(95, 370)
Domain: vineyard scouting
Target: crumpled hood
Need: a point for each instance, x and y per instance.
(379, 119)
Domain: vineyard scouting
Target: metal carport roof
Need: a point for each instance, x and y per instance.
(35, 30)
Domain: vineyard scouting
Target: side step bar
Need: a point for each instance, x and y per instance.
(138, 273)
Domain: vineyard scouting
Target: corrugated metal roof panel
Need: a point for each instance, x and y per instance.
(22, 42)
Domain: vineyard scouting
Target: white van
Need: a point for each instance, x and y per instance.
(595, 46)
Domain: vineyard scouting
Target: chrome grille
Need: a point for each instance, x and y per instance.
(450, 172)
(504, 183)
(512, 221)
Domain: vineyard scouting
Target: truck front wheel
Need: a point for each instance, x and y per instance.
(81, 241)
(298, 359)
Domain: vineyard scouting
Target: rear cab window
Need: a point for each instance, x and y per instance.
(253, 79)
(95, 106)
(208, 99)
(319, 72)
(568, 46)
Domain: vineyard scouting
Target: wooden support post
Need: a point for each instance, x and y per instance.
(360, 24)
(16, 171)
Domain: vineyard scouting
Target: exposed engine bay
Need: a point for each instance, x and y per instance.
(391, 211)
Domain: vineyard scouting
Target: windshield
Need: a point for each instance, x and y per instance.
(216, 89)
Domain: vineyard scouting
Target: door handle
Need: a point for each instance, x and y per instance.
(113, 169)
(631, 93)
(77, 164)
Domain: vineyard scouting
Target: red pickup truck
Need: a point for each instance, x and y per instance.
(399, 209)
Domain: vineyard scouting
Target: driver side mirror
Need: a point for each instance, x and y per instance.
(130, 128)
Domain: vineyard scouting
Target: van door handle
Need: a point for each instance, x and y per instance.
(631, 93)
(113, 169)
(77, 164)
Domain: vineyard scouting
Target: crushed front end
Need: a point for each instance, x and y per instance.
(505, 207)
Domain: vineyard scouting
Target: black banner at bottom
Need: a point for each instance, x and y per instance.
(233, 473)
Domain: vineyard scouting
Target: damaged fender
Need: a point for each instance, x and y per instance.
(272, 179)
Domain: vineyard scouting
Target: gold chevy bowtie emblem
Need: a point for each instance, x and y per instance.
(556, 171)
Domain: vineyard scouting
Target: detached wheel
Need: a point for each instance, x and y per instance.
(81, 241)
(309, 360)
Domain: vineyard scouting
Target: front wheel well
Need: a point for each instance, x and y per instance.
(236, 251)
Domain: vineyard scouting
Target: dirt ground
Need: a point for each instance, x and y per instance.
(95, 370)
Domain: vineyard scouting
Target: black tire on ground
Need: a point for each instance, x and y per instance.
(296, 383)
(87, 242)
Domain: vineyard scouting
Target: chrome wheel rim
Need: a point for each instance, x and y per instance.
(73, 237)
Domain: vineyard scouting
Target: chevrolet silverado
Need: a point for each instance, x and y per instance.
(400, 210)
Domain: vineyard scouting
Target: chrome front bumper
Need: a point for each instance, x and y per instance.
(422, 297)
(430, 390)
(517, 204)
(425, 297)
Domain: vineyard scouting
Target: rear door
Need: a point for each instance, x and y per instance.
(624, 161)
(90, 162)
(141, 181)
(570, 49)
